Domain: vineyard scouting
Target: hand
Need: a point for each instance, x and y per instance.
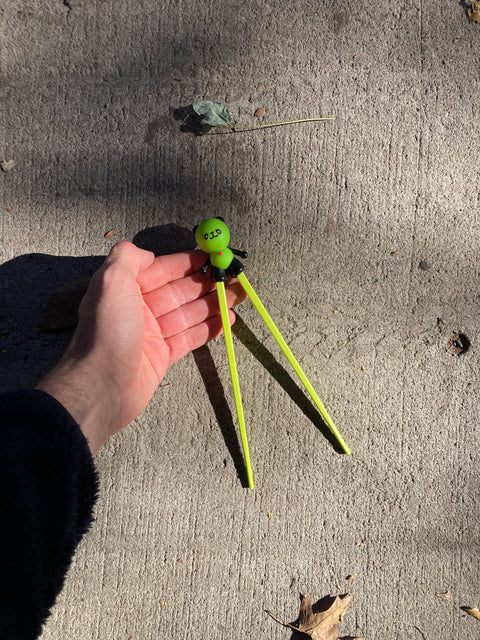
(140, 314)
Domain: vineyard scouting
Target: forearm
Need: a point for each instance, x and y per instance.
(48, 486)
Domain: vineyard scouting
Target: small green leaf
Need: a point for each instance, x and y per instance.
(213, 113)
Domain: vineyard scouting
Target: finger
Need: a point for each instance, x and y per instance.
(178, 293)
(186, 341)
(197, 311)
(164, 269)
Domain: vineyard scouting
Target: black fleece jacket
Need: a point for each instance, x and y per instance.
(48, 488)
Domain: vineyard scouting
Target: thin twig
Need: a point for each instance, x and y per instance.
(408, 624)
(267, 126)
(284, 622)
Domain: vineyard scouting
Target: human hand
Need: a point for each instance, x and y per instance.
(140, 314)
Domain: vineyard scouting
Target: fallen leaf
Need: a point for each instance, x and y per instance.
(474, 11)
(260, 86)
(321, 624)
(62, 307)
(445, 596)
(7, 165)
(260, 112)
(109, 234)
(472, 612)
(213, 113)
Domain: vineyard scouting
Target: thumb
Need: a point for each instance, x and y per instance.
(127, 255)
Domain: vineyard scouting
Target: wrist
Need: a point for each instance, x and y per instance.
(80, 389)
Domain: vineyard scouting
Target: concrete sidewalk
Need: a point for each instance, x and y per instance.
(363, 244)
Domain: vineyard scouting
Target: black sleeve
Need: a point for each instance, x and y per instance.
(48, 487)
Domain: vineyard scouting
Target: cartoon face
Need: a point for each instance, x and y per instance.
(212, 235)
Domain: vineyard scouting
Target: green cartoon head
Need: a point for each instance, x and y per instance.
(212, 235)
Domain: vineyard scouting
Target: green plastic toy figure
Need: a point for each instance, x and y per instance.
(213, 237)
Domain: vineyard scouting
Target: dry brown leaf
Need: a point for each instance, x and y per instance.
(62, 307)
(109, 234)
(472, 612)
(445, 596)
(474, 11)
(7, 165)
(260, 86)
(260, 112)
(322, 625)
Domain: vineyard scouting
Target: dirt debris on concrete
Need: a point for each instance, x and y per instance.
(457, 343)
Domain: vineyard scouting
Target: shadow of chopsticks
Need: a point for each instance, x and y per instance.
(284, 379)
(213, 387)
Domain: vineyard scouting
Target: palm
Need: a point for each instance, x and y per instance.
(167, 310)
(154, 362)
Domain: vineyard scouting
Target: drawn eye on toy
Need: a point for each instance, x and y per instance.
(218, 232)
